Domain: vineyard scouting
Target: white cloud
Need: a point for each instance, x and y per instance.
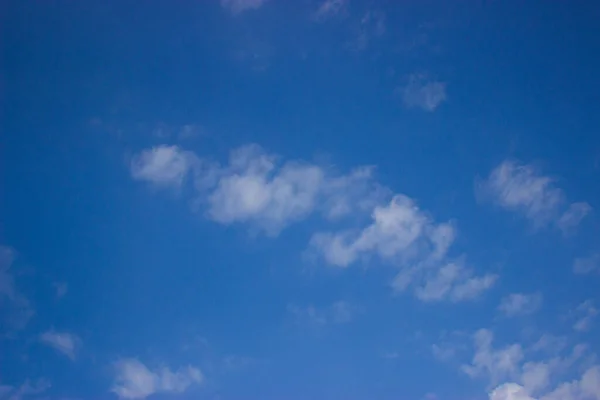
(400, 230)
(423, 93)
(587, 312)
(164, 166)
(17, 308)
(253, 189)
(257, 189)
(496, 364)
(453, 281)
(586, 388)
(510, 391)
(239, 6)
(403, 235)
(66, 343)
(550, 344)
(517, 379)
(585, 265)
(522, 188)
(573, 216)
(28, 388)
(135, 381)
(516, 304)
(329, 9)
(340, 312)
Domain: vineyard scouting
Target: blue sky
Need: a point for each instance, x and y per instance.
(328, 199)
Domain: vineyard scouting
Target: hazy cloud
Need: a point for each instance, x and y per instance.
(586, 265)
(66, 343)
(522, 188)
(520, 304)
(423, 93)
(16, 308)
(136, 381)
(330, 8)
(239, 6)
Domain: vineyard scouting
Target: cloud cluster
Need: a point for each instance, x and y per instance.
(522, 188)
(136, 381)
(258, 189)
(255, 188)
(515, 378)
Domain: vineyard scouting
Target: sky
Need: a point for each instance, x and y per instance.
(318, 199)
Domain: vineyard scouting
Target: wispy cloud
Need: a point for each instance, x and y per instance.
(453, 281)
(61, 289)
(28, 388)
(64, 342)
(18, 309)
(372, 25)
(587, 313)
(496, 364)
(329, 9)
(136, 381)
(421, 92)
(586, 265)
(239, 6)
(516, 304)
(340, 312)
(522, 188)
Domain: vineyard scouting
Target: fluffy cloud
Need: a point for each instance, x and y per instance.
(585, 265)
(516, 304)
(423, 93)
(163, 166)
(515, 378)
(239, 6)
(66, 343)
(586, 388)
(258, 189)
(522, 188)
(255, 188)
(405, 236)
(510, 391)
(135, 381)
(496, 364)
(17, 309)
(399, 231)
